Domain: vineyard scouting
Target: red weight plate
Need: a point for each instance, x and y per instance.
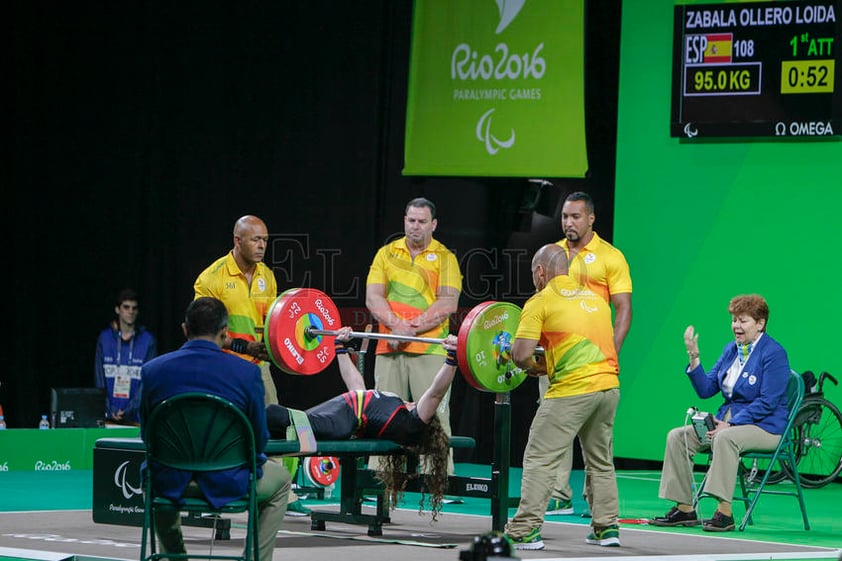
(267, 339)
(290, 315)
(462, 344)
(322, 470)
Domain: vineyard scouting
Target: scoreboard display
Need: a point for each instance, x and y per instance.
(757, 69)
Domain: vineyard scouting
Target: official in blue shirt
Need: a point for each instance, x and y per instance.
(201, 366)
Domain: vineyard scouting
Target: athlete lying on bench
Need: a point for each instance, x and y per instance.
(364, 413)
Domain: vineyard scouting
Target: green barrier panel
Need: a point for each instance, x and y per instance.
(53, 450)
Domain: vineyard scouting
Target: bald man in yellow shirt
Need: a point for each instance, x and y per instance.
(573, 325)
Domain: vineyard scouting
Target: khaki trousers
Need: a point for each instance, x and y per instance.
(683, 444)
(272, 493)
(561, 490)
(270, 393)
(557, 422)
(270, 396)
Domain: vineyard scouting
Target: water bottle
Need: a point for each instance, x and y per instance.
(2, 422)
(44, 424)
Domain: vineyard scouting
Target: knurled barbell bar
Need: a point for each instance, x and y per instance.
(503, 354)
(313, 332)
(302, 323)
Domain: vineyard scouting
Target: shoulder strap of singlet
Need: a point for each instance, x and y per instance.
(359, 406)
(299, 429)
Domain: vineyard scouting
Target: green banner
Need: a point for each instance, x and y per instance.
(496, 89)
(54, 449)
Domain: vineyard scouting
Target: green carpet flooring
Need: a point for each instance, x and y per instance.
(777, 518)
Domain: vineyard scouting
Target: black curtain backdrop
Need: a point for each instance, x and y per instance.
(142, 131)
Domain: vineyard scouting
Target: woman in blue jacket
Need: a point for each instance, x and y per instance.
(752, 375)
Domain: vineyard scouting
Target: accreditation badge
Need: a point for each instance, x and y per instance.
(123, 376)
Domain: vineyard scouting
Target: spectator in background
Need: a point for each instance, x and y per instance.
(121, 349)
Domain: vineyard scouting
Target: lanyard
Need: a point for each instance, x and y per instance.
(120, 347)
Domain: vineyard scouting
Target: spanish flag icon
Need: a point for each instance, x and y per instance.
(719, 47)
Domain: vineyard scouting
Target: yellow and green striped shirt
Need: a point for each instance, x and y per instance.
(247, 305)
(573, 324)
(412, 286)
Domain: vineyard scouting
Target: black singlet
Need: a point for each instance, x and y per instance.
(366, 414)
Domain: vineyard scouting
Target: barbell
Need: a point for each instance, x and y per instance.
(302, 323)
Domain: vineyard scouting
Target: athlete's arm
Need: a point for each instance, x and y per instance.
(350, 375)
(429, 402)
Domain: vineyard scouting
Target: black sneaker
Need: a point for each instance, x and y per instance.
(719, 523)
(676, 518)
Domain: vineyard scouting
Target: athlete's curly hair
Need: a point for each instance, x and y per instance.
(432, 454)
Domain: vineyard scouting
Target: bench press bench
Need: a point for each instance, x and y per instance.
(118, 491)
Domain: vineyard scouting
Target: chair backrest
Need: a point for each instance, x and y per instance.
(199, 432)
(794, 396)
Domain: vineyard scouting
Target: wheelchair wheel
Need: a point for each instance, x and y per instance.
(818, 427)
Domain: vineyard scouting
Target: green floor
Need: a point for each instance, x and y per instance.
(777, 518)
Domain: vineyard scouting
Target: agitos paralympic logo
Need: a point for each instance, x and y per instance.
(509, 9)
(492, 143)
(121, 483)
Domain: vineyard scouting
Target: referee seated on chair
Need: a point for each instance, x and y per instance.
(201, 366)
(752, 375)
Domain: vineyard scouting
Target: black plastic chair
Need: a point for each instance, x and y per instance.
(198, 432)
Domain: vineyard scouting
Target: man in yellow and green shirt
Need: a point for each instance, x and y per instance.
(602, 268)
(247, 287)
(412, 288)
(573, 325)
